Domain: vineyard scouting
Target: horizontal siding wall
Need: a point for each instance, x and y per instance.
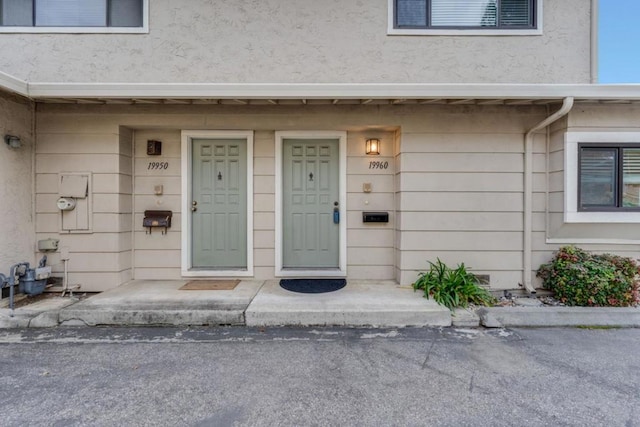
(460, 192)
(370, 247)
(101, 258)
(157, 255)
(603, 237)
(453, 187)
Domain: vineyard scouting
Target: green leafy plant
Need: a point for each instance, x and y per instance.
(580, 278)
(452, 287)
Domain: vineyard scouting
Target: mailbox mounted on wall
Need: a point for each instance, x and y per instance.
(160, 219)
(154, 148)
(376, 217)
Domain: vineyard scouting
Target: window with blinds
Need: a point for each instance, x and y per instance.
(71, 13)
(465, 14)
(609, 177)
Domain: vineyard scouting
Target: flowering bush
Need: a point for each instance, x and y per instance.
(580, 278)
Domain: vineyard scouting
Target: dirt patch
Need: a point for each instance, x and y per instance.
(22, 300)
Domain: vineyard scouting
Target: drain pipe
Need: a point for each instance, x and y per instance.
(567, 104)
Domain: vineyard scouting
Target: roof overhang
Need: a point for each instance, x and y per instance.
(314, 93)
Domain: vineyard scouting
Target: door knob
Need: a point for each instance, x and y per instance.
(193, 209)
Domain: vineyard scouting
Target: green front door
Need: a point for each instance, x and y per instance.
(219, 204)
(311, 231)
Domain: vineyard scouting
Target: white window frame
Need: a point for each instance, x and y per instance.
(392, 31)
(86, 30)
(571, 212)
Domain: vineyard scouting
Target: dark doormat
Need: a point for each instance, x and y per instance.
(210, 285)
(312, 286)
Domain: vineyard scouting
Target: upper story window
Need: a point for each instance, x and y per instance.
(464, 16)
(73, 15)
(609, 177)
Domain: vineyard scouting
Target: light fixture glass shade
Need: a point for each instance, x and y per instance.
(13, 141)
(373, 146)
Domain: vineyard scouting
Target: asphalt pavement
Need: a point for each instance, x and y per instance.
(319, 377)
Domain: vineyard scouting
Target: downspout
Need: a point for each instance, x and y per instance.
(567, 104)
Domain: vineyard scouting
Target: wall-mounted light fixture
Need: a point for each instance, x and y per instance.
(13, 141)
(373, 146)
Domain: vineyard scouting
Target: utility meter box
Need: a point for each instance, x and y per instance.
(75, 202)
(66, 203)
(48, 245)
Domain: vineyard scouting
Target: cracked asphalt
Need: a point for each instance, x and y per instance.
(320, 377)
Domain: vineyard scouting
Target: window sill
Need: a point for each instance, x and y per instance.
(602, 217)
(474, 32)
(75, 30)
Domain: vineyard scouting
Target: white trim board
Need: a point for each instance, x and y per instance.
(333, 91)
(342, 270)
(187, 137)
(61, 90)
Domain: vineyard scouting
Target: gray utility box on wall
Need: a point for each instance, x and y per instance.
(378, 217)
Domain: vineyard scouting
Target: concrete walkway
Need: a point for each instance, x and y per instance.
(259, 303)
(256, 303)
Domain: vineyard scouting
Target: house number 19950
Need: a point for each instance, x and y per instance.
(378, 165)
(158, 165)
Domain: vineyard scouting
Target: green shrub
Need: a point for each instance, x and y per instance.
(452, 287)
(579, 278)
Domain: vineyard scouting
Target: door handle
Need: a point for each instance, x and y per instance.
(193, 206)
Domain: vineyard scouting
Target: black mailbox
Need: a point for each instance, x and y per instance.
(375, 217)
(157, 219)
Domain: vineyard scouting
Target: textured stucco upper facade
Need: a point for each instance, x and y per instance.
(306, 41)
(16, 182)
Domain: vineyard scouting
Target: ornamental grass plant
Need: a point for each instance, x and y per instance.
(452, 287)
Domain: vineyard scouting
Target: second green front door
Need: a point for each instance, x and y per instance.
(311, 211)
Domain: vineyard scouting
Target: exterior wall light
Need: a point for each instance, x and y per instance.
(13, 141)
(373, 146)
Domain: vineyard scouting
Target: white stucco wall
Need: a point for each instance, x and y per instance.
(16, 219)
(302, 41)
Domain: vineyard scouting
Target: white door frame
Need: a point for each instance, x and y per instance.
(187, 137)
(342, 138)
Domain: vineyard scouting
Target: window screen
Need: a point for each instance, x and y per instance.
(598, 171)
(71, 13)
(16, 13)
(125, 13)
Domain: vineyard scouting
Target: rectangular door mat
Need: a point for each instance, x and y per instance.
(210, 285)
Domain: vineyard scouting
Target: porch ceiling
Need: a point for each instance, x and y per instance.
(305, 101)
(319, 93)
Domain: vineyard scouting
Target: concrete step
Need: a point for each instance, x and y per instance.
(358, 304)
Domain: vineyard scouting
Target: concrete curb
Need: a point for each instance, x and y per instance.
(464, 318)
(497, 317)
(44, 314)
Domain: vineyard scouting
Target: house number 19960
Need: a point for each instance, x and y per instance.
(378, 165)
